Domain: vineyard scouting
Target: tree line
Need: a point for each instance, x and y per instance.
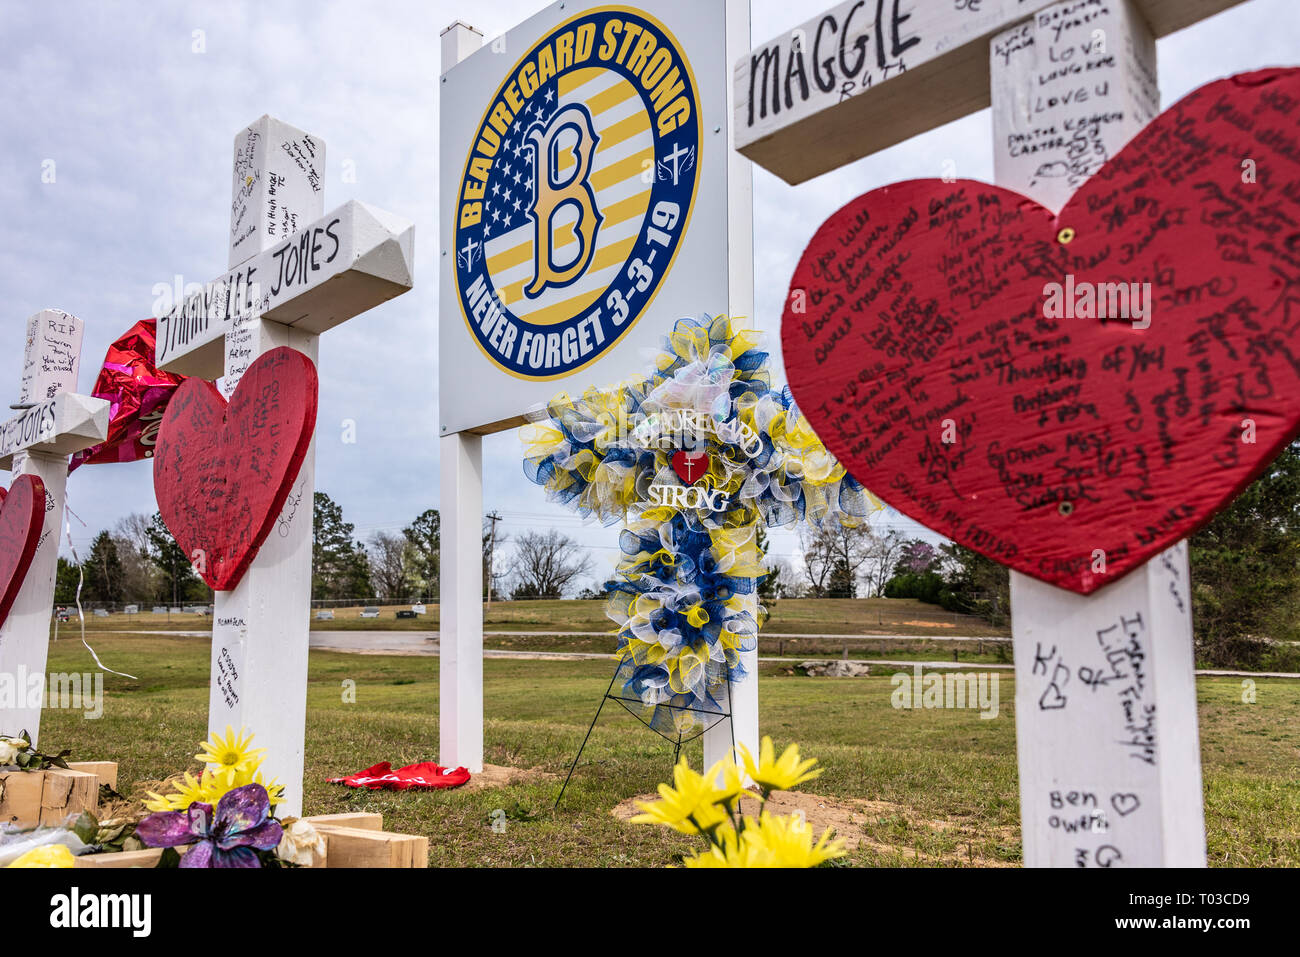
(1245, 567)
(403, 566)
(138, 561)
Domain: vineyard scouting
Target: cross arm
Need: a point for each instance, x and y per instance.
(350, 260)
(60, 426)
(861, 76)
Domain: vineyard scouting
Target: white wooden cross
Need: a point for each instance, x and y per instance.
(293, 273)
(53, 423)
(861, 77)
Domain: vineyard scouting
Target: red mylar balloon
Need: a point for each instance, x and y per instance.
(137, 393)
(1068, 394)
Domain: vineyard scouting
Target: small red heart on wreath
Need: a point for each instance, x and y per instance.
(691, 466)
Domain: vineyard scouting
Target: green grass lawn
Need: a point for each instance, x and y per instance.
(945, 780)
(835, 616)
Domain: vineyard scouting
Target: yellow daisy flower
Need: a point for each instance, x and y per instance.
(232, 754)
(787, 841)
(772, 841)
(783, 774)
(694, 806)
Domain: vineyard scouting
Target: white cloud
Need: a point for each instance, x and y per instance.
(141, 127)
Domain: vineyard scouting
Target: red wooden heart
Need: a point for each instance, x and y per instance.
(222, 472)
(690, 466)
(22, 516)
(926, 344)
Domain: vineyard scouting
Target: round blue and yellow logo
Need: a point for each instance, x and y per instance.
(577, 192)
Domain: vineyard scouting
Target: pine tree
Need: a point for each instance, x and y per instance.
(425, 536)
(103, 570)
(177, 581)
(339, 566)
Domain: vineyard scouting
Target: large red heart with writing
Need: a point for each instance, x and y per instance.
(222, 472)
(1068, 394)
(22, 516)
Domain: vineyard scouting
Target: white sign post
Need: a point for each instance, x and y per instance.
(647, 218)
(293, 273)
(1107, 740)
(54, 423)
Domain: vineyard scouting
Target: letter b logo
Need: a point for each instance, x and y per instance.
(562, 158)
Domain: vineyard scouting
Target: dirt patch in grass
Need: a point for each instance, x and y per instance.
(854, 819)
(499, 776)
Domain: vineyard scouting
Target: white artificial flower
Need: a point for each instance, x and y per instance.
(301, 844)
(10, 748)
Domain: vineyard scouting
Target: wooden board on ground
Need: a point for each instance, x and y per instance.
(32, 798)
(106, 771)
(351, 840)
(361, 847)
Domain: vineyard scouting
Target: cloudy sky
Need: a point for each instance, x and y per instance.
(139, 124)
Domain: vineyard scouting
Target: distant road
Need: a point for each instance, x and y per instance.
(558, 633)
(426, 644)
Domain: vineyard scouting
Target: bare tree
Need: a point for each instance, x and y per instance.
(546, 563)
(494, 567)
(139, 574)
(832, 557)
(392, 565)
(786, 582)
(882, 557)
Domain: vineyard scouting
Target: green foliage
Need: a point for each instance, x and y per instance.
(66, 579)
(842, 582)
(425, 536)
(1246, 574)
(32, 759)
(925, 586)
(103, 570)
(177, 582)
(954, 578)
(339, 566)
(975, 585)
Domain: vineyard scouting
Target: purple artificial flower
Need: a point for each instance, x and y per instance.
(241, 826)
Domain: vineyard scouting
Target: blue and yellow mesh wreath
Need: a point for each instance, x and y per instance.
(684, 595)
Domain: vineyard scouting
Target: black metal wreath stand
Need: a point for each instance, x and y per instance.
(677, 743)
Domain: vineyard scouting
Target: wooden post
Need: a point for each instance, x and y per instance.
(740, 296)
(347, 262)
(260, 628)
(460, 643)
(1106, 723)
(715, 278)
(460, 649)
(54, 423)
